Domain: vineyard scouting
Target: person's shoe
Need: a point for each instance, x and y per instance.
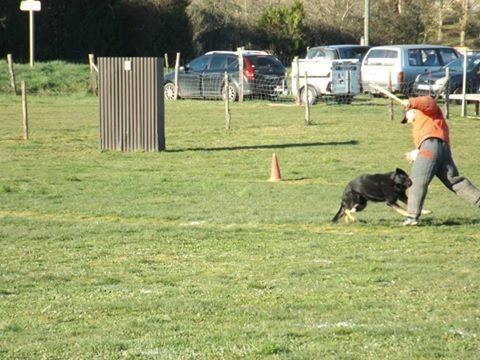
(410, 221)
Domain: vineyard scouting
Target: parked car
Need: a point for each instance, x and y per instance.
(333, 52)
(203, 77)
(434, 82)
(399, 65)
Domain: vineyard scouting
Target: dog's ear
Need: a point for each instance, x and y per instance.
(398, 174)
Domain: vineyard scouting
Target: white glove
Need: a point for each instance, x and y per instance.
(411, 155)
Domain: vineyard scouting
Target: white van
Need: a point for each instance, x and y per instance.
(399, 65)
(339, 78)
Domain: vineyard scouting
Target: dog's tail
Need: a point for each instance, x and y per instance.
(339, 214)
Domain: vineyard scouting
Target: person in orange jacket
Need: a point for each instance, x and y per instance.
(433, 157)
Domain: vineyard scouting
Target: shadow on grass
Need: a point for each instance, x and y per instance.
(424, 222)
(449, 222)
(272, 146)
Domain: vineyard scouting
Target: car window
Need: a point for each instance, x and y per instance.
(314, 53)
(429, 57)
(322, 53)
(232, 63)
(199, 64)
(414, 57)
(354, 53)
(447, 55)
(218, 62)
(331, 54)
(264, 61)
(381, 57)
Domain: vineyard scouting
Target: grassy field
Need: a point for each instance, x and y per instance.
(192, 254)
(46, 78)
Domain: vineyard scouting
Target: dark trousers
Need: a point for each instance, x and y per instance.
(435, 159)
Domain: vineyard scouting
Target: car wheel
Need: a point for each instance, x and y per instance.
(169, 91)
(231, 92)
(309, 94)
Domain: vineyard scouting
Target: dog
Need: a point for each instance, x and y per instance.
(389, 187)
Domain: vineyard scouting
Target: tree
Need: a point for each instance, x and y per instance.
(283, 28)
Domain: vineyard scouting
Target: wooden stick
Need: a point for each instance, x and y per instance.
(298, 100)
(12, 73)
(240, 74)
(227, 103)
(390, 107)
(177, 67)
(307, 102)
(24, 110)
(93, 85)
(166, 61)
(387, 93)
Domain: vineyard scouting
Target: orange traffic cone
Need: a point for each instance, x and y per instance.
(275, 171)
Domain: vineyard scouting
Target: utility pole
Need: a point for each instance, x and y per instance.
(366, 24)
(464, 23)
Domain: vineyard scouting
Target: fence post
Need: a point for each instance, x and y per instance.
(297, 79)
(240, 74)
(24, 110)
(177, 66)
(464, 87)
(307, 102)
(166, 65)
(93, 74)
(447, 94)
(11, 71)
(227, 102)
(390, 108)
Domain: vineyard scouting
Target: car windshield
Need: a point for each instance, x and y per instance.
(457, 65)
(199, 64)
(326, 53)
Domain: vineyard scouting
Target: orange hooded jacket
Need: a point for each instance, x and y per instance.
(429, 121)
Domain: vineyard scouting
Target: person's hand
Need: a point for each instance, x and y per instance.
(411, 155)
(406, 104)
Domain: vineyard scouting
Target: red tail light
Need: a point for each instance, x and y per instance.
(401, 77)
(248, 70)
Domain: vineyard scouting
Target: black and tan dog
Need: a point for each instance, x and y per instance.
(389, 188)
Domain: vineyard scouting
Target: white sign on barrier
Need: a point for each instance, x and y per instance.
(30, 5)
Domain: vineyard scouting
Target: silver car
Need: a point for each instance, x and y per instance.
(397, 66)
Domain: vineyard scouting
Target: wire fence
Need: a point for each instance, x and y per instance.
(333, 81)
(311, 82)
(340, 81)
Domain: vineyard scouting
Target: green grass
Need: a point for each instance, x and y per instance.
(47, 78)
(192, 254)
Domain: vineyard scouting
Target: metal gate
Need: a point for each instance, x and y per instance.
(132, 115)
